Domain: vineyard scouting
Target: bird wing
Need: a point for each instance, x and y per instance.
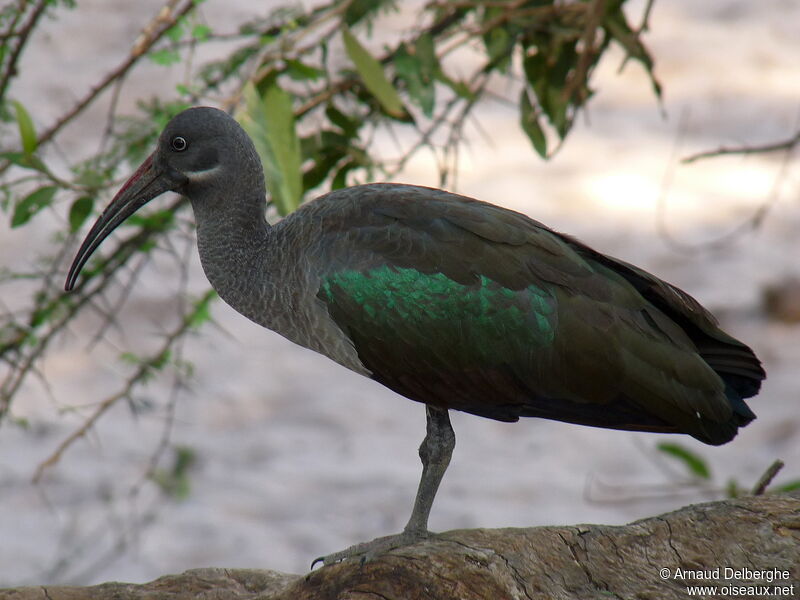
(465, 305)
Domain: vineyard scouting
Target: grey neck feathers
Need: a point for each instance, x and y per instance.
(237, 251)
(263, 273)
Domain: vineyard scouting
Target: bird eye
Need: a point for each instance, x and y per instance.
(179, 144)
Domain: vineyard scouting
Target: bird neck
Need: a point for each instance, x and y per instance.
(235, 248)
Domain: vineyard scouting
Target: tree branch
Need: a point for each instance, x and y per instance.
(722, 151)
(757, 539)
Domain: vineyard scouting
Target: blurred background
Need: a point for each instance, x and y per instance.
(239, 449)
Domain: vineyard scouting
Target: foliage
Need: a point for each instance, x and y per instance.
(269, 120)
(694, 463)
(687, 475)
(175, 480)
(700, 474)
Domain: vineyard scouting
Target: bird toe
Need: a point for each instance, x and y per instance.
(368, 551)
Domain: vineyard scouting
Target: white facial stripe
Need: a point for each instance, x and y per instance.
(200, 176)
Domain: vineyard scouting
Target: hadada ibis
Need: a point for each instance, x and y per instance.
(448, 301)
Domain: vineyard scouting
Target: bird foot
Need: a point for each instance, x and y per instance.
(367, 551)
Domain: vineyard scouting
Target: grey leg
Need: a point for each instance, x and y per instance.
(435, 452)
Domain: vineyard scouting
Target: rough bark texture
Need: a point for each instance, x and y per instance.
(577, 562)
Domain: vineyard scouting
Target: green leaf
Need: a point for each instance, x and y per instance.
(32, 204)
(269, 120)
(498, 46)
(27, 132)
(21, 422)
(787, 487)
(302, 72)
(165, 57)
(529, 120)
(326, 149)
(159, 361)
(547, 72)
(340, 179)
(27, 161)
(201, 32)
(80, 209)
(175, 33)
(46, 309)
(732, 489)
(425, 69)
(695, 463)
(322, 167)
(420, 83)
(459, 87)
(334, 150)
(184, 459)
(426, 52)
(535, 67)
(130, 358)
(349, 125)
(366, 10)
(175, 480)
(374, 78)
(202, 310)
(158, 220)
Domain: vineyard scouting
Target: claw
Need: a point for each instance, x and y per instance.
(435, 452)
(368, 551)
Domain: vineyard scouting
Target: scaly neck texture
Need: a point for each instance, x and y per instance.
(240, 256)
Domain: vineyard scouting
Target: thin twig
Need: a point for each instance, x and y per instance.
(645, 24)
(23, 34)
(575, 88)
(744, 150)
(751, 223)
(767, 477)
(10, 33)
(478, 81)
(456, 138)
(109, 267)
(141, 373)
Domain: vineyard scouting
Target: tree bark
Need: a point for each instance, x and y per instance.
(757, 539)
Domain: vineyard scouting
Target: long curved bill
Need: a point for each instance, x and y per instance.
(144, 185)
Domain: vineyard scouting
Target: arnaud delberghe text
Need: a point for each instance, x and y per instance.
(728, 573)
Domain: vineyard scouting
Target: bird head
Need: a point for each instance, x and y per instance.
(197, 153)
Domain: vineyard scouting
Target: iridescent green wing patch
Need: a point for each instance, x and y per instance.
(479, 320)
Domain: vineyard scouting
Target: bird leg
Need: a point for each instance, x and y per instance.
(434, 452)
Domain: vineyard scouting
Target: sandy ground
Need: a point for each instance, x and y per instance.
(297, 457)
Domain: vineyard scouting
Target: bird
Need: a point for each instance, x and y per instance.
(449, 301)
